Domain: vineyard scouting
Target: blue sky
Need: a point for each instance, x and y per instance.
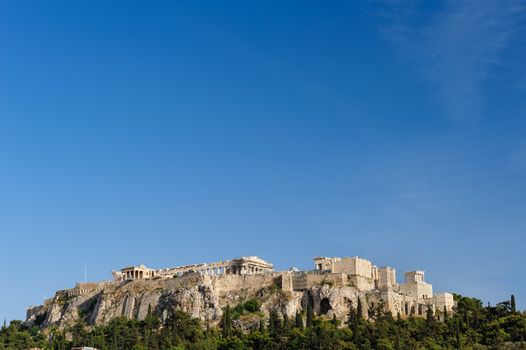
(177, 132)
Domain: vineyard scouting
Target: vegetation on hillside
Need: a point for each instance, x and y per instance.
(472, 326)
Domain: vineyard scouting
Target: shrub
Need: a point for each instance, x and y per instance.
(252, 305)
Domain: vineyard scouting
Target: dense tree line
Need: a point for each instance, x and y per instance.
(472, 326)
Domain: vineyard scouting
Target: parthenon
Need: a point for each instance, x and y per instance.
(246, 265)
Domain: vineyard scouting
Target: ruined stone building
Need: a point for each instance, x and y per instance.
(246, 265)
(413, 297)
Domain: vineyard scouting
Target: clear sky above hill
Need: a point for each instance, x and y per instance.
(176, 132)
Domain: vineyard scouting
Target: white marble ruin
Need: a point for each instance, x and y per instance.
(246, 265)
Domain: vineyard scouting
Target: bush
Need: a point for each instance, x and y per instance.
(252, 305)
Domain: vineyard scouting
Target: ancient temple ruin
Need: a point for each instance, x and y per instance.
(246, 265)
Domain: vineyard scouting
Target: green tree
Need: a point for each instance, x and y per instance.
(286, 324)
(359, 309)
(227, 322)
(274, 325)
(458, 338)
(310, 315)
(298, 321)
(262, 326)
(354, 324)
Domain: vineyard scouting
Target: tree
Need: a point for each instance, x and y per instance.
(335, 321)
(298, 321)
(351, 320)
(354, 323)
(274, 324)
(151, 320)
(151, 324)
(227, 323)
(286, 324)
(458, 339)
(78, 333)
(512, 302)
(429, 315)
(359, 309)
(310, 315)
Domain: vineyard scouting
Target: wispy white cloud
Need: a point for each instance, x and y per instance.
(455, 44)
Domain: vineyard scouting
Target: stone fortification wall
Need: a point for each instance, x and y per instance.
(232, 283)
(444, 300)
(82, 288)
(361, 282)
(331, 279)
(301, 280)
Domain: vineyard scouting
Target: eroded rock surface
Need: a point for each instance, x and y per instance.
(203, 297)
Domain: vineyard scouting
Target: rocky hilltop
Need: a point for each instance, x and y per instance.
(203, 297)
(204, 290)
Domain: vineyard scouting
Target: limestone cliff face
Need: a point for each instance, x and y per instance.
(202, 297)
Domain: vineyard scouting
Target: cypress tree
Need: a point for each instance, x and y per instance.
(286, 323)
(397, 345)
(271, 323)
(446, 315)
(149, 313)
(457, 337)
(62, 343)
(512, 304)
(114, 344)
(274, 324)
(310, 315)
(334, 320)
(227, 322)
(299, 321)
(359, 309)
(261, 326)
(352, 317)
(354, 324)
(429, 315)
(356, 331)
(151, 320)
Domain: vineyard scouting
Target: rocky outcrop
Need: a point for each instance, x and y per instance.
(202, 297)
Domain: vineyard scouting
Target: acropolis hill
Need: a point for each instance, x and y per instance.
(332, 287)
